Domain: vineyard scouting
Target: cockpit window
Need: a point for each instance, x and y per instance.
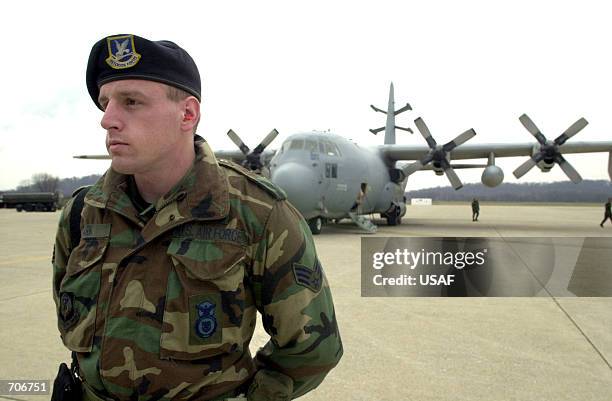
(329, 148)
(297, 144)
(311, 146)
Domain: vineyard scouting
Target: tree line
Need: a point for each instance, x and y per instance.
(592, 191)
(589, 191)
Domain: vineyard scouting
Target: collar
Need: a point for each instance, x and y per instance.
(202, 194)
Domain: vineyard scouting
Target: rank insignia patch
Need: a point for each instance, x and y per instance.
(307, 277)
(121, 52)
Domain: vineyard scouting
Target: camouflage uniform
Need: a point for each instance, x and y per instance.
(165, 307)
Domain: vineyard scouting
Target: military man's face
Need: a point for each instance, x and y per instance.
(142, 125)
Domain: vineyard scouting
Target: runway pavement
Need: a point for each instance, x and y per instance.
(541, 348)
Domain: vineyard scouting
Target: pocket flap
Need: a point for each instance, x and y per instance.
(91, 248)
(203, 259)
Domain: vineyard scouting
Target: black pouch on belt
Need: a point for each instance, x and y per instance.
(67, 385)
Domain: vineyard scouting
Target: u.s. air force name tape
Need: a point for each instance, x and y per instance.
(486, 267)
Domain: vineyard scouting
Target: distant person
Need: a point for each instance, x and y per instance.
(475, 209)
(607, 213)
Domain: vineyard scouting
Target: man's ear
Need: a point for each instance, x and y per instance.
(191, 114)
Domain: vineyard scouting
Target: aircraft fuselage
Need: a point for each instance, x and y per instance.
(323, 175)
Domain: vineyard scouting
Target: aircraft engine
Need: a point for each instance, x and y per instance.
(438, 155)
(549, 152)
(253, 159)
(492, 176)
(546, 165)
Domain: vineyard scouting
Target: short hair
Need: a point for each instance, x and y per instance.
(176, 95)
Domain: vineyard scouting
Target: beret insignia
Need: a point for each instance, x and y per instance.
(121, 52)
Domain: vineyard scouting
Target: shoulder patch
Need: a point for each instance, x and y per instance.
(311, 278)
(259, 180)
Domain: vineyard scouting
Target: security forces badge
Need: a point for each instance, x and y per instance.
(121, 52)
(204, 319)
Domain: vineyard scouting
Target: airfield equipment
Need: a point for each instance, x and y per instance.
(30, 201)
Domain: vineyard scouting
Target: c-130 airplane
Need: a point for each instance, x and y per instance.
(329, 177)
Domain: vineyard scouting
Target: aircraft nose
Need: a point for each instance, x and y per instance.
(300, 183)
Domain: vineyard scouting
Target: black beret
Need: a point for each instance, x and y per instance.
(132, 57)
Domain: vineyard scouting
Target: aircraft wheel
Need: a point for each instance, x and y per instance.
(394, 219)
(315, 225)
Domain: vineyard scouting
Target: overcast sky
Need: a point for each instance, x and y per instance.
(298, 66)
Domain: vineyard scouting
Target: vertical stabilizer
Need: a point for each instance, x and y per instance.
(390, 125)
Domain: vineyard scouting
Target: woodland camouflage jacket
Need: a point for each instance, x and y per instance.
(165, 308)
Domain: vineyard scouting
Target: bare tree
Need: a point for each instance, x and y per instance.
(44, 182)
(25, 186)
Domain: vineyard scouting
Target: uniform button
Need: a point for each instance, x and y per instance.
(171, 217)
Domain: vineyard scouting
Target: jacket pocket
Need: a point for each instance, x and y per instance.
(79, 290)
(205, 298)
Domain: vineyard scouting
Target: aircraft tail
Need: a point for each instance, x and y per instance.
(390, 124)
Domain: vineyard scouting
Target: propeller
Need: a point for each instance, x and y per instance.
(549, 150)
(253, 158)
(439, 153)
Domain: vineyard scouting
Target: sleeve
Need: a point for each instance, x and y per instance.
(61, 251)
(293, 296)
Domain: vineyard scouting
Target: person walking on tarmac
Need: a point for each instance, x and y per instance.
(607, 212)
(475, 209)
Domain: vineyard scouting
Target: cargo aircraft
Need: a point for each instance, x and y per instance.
(328, 177)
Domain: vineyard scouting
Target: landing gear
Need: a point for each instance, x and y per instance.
(394, 219)
(315, 225)
(393, 216)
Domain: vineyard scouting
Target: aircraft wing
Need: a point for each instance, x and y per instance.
(477, 151)
(234, 155)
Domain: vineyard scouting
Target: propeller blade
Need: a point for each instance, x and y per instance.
(459, 140)
(571, 131)
(453, 178)
(412, 168)
(568, 169)
(236, 139)
(451, 175)
(531, 127)
(420, 124)
(267, 140)
(525, 167)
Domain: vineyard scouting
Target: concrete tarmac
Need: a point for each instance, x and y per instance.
(544, 348)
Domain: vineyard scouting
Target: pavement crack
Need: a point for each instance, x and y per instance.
(554, 299)
(25, 295)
